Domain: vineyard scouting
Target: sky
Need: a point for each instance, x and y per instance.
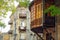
(6, 20)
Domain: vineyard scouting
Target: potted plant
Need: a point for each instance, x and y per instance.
(53, 10)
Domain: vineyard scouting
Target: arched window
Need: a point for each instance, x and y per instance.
(22, 24)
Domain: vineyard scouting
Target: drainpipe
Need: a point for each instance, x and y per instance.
(40, 36)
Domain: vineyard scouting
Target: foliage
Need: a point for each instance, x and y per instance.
(2, 24)
(53, 10)
(5, 6)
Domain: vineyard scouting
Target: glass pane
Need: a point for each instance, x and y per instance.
(22, 24)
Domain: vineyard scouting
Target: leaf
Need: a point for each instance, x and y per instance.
(13, 10)
(24, 4)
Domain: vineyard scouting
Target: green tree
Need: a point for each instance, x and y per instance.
(2, 24)
(5, 6)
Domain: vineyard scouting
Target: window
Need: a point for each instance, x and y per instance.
(22, 36)
(22, 24)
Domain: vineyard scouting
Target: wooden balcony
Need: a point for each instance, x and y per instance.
(37, 29)
(49, 21)
(22, 29)
(58, 19)
(10, 32)
(22, 16)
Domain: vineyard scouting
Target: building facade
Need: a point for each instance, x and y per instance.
(36, 18)
(1, 36)
(18, 22)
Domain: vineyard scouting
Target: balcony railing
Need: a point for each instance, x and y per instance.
(49, 21)
(10, 32)
(22, 15)
(22, 28)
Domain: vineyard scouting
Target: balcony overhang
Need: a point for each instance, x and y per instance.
(49, 26)
(22, 15)
(10, 32)
(37, 29)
